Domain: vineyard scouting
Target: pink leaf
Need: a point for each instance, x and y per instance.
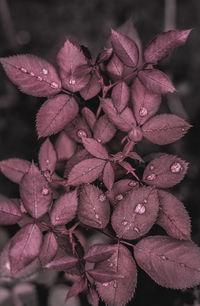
(47, 156)
(165, 171)
(70, 58)
(165, 129)
(99, 252)
(102, 276)
(86, 171)
(76, 288)
(120, 190)
(104, 55)
(14, 168)
(33, 75)
(78, 128)
(104, 130)
(123, 121)
(95, 148)
(92, 297)
(173, 216)
(118, 292)
(25, 247)
(65, 146)
(125, 48)
(163, 44)
(49, 248)
(9, 212)
(145, 103)
(64, 208)
(108, 176)
(63, 263)
(135, 215)
(92, 88)
(115, 68)
(120, 96)
(94, 208)
(89, 117)
(54, 114)
(156, 81)
(169, 262)
(75, 159)
(35, 192)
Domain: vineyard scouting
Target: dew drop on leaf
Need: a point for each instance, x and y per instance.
(119, 197)
(151, 177)
(32, 73)
(140, 209)
(124, 223)
(102, 197)
(81, 133)
(54, 85)
(39, 78)
(105, 284)
(151, 167)
(45, 71)
(115, 284)
(175, 167)
(132, 184)
(136, 229)
(24, 70)
(45, 191)
(72, 82)
(143, 112)
(163, 257)
(99, 140)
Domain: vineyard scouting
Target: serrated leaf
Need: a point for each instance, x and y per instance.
(135, 215)
(108, 176)
(69, 59)
(145, 103)
(35, 192)
(104, 130)
(92, 297)
(89, 117)
(120, 190)
(104, 55)
(165, 171)
(33, 75)
(64, 209)
(99, 252)
(65, 146)
(92, 88)
(120, 96)
(102, 276)
(156, 81)
(25, 247)
(14, 168)
(49, 248)
(9, 212)
(173, 216)
(115, 68)
(95, 148)
(165, 128)
(76, 288)
(120, 291)
(123, 121)
(94, 208)
(169, 262)
(63, 263)
(78, 128)
(47, 156)
(75, 159)
(163, 44)
(86, 171)
(125, 48)
(54, 114)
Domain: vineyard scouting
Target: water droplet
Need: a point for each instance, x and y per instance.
(115, 284)
(24, 70)
(151, 167)
(163, 257)
(143, 112)
(57, 218)
(99, 140)
(132, 184)
(119, 197)
(45, 71)
(7, 265)
(81, 133)
(97, 216)
(102, 197)
(136, 229)
(140, 209)
(183, 129)
(105, 284)
(45, 191)
(39, 78)
(111, 265)
(175, 167)
(54, 85)
(124, 222)
(145, 201)
(151, 177)
(47, 161)
(182, 265)
(72, 81)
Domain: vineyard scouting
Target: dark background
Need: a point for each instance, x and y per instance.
(40, 27)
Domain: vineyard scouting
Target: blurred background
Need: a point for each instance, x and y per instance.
(40, 27)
